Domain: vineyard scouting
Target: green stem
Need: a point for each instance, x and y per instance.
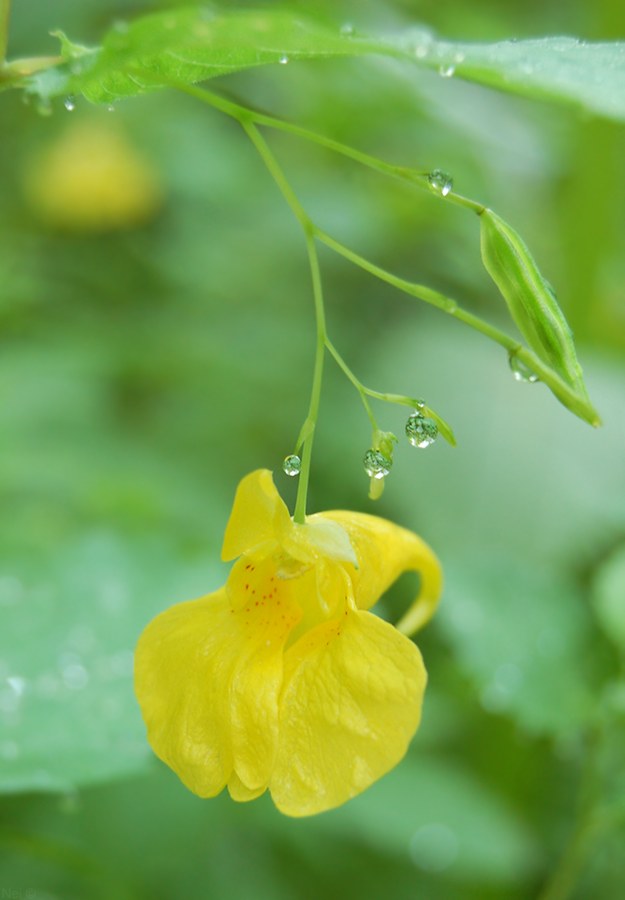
(247, 117)
(272, 164)
(243, 113)
(362, 390)
(308, 431)
(553, 381)
(302, 489)
(5, 12)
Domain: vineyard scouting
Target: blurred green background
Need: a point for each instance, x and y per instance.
(145, 368)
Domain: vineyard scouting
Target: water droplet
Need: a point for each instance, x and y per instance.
(110, 107)
(284, 59)
(420, 404)
(347, 29)
(421, 431)
(440, 181)
(376, 464)
(422, 50)
(459, 57)
(69, 103)
(434, 848)
(520, 371)
(447, 71)
(292, 465)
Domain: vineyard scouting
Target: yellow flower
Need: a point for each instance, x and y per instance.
(92, 180)
(282, 680)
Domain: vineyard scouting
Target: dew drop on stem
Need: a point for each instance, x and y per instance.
(440, 181)
(421, 431)
(292, 465)
(376, 464)
(520, 371)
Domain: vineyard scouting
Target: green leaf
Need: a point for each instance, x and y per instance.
(68, 715)
(193, 44)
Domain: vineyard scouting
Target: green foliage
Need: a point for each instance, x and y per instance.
(195, 43)
(143, 371)
(68, 709)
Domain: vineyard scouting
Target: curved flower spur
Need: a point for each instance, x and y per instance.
(282, 679)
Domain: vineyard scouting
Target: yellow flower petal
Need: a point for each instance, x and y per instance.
(319, 538)
(207, 679)
(242, 794)
(259, 514)
(350, 704)
(384, 552)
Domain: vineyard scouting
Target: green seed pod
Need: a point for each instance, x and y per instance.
(530, 299)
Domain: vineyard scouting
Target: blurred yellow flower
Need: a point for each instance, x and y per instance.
(282, 680)
(92, 179)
